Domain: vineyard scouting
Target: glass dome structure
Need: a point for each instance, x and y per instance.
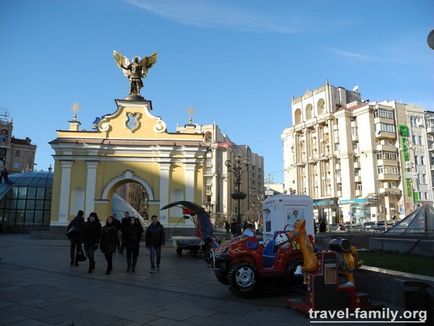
(27, 202)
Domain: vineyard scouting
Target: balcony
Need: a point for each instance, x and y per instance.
(387, 176)
(357, 178)
(388, 148)
(387, 162)
(384, 120)
(357, 165)
(354, 137)
(339, 193)
(338, 180)
(338, 166)
(390, 191)
(358, 193)
(430, 129)
(385, 135)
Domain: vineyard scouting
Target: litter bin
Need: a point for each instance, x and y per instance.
(417, 297)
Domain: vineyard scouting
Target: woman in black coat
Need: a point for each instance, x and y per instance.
(133, 234)
(91, 236)
(75, 234)
(109, 238)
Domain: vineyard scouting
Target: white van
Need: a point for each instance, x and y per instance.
(282, 211)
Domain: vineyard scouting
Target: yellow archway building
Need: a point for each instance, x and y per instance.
(130, 145)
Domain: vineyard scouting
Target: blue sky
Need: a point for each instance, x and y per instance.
(238, 63)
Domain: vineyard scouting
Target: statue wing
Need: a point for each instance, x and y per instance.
(148, 62)
(122, 62)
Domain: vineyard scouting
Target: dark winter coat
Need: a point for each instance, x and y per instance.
(75, 229)
(133, 235)
(124, 225)
(91, 234)
(109, 238)
(155, 235)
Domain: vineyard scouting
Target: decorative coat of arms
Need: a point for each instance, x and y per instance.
(132, 121)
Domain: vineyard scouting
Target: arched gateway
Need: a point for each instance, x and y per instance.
(130, 145)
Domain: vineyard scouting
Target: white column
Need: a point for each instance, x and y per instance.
(189, 171)
(164, 190)
(65, 187)
(90, 187)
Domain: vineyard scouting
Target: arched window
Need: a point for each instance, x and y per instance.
(320, 107)
(309, 110)
(297, 116)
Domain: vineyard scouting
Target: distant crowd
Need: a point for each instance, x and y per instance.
(115, 236)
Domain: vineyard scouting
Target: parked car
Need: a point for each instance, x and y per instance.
(367, 226)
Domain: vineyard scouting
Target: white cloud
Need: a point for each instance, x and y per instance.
(206, 13)
(350, 54)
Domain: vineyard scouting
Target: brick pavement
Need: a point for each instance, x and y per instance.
(39, 287)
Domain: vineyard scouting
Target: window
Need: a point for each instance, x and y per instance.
(421, 160)
(382, 113)
(385, 127)
(422, 179)
(17, 153)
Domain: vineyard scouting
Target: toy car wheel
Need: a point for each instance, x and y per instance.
(243, 277)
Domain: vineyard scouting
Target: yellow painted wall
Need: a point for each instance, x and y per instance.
(108, 169)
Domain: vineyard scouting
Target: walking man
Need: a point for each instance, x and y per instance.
(155, 238)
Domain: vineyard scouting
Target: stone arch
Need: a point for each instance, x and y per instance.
(309, 111)
(297, 116)
(125, 177)
(320, 106)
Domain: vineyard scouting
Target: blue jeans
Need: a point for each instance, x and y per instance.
(154, 251)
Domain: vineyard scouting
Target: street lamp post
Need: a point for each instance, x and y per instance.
(236, 167)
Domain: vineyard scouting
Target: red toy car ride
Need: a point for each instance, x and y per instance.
(244, 263)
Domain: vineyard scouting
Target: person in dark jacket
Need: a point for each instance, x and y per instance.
(91, 237)
(155, 238)
(235, 228)
(133, 235)
(108, 242)
(322, 226)
(75, 233)
(124, 224)
(118, 226)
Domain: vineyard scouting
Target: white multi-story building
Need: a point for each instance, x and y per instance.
(345, 154)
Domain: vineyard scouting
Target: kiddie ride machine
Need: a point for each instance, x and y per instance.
(247, 263)
(203, 239)
(329, 282)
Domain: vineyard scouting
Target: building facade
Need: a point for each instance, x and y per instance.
(129, 146)
(18, 154)
(347, 155)
(220, 182)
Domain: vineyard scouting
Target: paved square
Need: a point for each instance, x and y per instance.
(39, 287)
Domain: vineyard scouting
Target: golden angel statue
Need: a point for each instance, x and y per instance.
(135, 70)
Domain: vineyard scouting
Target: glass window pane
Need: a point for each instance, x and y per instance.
(30, 205)
(31, 192)
(22, 192)
(21, 204)
(13, 204)
(29, 218)
(38, 220)
(39, 204)
(13, 193)
(19, 219)
(40, 193)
